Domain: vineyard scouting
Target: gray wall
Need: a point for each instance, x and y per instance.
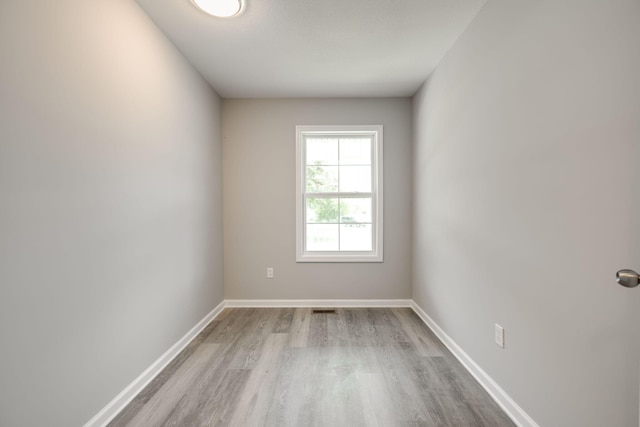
(526, 140)
(259, 200)
(110, 215)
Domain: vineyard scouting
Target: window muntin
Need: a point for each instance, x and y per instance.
(339, 193)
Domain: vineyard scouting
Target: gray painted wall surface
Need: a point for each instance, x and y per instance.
(525, 176)
(259, 200)
(110, 216)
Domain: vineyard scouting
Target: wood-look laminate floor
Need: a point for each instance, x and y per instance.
(289, 367)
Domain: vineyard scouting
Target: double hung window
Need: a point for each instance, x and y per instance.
(339, 193)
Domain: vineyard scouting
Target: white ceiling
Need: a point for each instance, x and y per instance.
(316, 48)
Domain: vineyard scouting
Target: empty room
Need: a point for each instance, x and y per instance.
(320, 213)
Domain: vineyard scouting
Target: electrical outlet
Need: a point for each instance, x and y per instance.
(499, 335)
(269, 272)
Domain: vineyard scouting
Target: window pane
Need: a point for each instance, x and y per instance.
(355, 237)
(322, 151)
(322, 178)
(355, 210)
(322, 237)
(355, 178)
(355, 151)
(322, 210)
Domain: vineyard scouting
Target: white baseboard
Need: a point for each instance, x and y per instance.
(346, 303)
(508, 405)
(114, 407)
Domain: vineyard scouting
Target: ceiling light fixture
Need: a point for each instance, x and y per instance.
(220, 8)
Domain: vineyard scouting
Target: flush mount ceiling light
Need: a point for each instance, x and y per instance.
(220, 8)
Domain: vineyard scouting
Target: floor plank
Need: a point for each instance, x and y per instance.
(290, 367)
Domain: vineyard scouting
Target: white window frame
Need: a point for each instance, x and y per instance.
(376, 254)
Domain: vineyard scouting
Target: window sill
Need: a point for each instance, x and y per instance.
(342, 257)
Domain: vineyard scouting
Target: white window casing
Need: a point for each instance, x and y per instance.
(339, 197)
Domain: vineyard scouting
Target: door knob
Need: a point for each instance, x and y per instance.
(628, 278)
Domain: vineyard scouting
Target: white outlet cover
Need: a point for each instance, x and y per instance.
(499, 335)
